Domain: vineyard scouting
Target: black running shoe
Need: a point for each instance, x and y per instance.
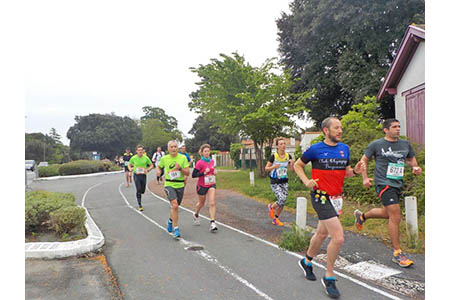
(307, 269)
(330, 287)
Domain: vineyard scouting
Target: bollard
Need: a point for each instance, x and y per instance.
(301, 213)
(252, 178)
(411, 218)
(26, 179)
(215, 160)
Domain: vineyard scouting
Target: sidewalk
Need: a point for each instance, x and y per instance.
(361, 256)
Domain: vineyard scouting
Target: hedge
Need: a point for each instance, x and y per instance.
(51, 170)
(65, 219)
(86, 167)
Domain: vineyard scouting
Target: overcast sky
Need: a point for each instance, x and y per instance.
(101, 57)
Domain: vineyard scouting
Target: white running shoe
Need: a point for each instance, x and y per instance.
(213, 227)
(196, 220)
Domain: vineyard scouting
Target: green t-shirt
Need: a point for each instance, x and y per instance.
(174, 178)
(139, 162)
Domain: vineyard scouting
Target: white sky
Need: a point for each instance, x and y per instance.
(100, 57)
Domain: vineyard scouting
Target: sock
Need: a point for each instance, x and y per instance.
(397, 252)
(364, 217)
(175, 228)
(330, 278)
(170, 220)
(212, 221)
(309, 257)
(196, 215)
(276, 217)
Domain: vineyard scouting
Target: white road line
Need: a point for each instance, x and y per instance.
(354, 280)
(202, 253)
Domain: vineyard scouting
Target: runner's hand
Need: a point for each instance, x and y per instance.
(276, 166)
(312, 183)
(207, 170)
(367, 182)
(177, 166)
(359, 167)
(417, 170)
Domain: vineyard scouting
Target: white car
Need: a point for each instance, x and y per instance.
(30, 164)
(43, 164)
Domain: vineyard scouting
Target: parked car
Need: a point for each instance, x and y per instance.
(30, 165)
(43, 164)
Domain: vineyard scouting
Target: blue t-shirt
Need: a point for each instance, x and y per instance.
(187, 156)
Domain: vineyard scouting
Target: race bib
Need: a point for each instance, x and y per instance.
(282, 172)
(337, 202)
(211, 179)
(395, 171)
(174, 175)
(126, 163)
(140, 170)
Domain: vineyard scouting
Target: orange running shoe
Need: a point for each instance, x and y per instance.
(358, 219)
(277, 222)
(401, 260)
(271, 211)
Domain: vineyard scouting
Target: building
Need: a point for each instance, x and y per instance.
(307, 138)
(406, 81)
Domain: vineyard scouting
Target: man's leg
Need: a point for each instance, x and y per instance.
(376, 213)
(317, 240)
(334, 228)
(394, 213)
(174, 212)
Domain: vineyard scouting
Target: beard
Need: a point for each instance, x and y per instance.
(334, 139)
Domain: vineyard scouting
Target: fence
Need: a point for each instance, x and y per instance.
(224, 160)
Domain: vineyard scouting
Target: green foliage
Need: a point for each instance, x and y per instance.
(39, 205)
(295, 239)
(51, 170)
(48, 148)
(343, 48)
(235, 152)
(298, 152)
(154, 135)
(86, 167)
(267, 153)
(106, 133)
(167, 122)
(65, 219)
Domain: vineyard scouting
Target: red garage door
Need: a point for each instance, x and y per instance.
(415, 116)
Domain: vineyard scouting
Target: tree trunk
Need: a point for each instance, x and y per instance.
(259, 158)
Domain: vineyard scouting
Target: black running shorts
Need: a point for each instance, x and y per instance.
(324, 211)
(389, 195)
(201, 190)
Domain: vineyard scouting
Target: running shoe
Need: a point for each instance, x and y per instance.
(141, 208)
(169, 226)
(196, 220)
(358, 219)
(277, 222)
(213, 227)
(271, 211)
(330, 287)
(176, 233)
(402, 260)
(307, 269)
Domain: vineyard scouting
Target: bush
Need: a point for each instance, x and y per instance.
(66, 219)
(295, 239)
(39, 205)
(51, 170)
(86, 167)
(235, 152)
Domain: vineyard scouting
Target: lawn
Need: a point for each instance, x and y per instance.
(261, 191)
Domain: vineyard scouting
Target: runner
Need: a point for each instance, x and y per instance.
(330, 166)
(183, 151)
(126, 158)
(206, 185)
(155, 159)
(177, 168)
(390, 155)
(141, 165)
(277, 166)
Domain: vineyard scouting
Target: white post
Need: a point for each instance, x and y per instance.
(301, 213)
(215, 160)
(411, 217)
(252, 178)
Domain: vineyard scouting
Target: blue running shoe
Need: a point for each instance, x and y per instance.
(176, 233)
(330, 287)
(169, 226)
(307, 269)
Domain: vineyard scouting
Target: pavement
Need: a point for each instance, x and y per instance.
(241, 261)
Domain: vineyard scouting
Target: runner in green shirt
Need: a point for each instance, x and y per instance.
(176, 167)
(140, 165)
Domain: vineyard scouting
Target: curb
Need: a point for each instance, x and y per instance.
(76, 176)
(93, 242)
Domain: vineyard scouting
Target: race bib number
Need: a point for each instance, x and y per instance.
(395, 171)
(282, 172)
(174, 175)
(337, 202)
(211, 179)
(140, 170)
(126, 163)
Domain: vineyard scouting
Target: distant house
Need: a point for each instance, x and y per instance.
(307, 138)
(291, 143)
(406, 81)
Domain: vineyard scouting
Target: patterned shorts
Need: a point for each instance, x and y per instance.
(281, 191)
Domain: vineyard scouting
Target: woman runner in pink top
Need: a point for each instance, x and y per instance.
(206, 185)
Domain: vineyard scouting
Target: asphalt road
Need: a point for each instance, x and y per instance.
(149, 264)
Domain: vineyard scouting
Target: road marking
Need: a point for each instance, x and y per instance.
(202, 253)
(354, 280)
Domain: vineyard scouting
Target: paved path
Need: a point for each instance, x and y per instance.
(150, 264)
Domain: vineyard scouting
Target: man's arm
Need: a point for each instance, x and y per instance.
(412, 162)
(299, 170)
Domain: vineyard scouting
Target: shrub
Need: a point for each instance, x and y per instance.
(86, 167)
(66, 219)
(235, 152)
(39, 205)
(295, 239)
(51, 170)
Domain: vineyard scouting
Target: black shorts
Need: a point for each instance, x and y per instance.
(173, 193)
(201, 190)
(324, 211)
(389, 195)
(126, 169)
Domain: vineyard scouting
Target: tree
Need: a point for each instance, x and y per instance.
(54, 135)
(154, 135)
(169, 123)
(106, 133)
(42, 147)
(343, 49)
(204, 132)
(241, 99)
